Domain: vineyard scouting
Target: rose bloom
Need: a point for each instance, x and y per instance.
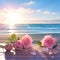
(26, 41)
(48, 41)
(18, 44)
(9, 47)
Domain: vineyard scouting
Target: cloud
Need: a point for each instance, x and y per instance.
(25, 10)
(27, 15)
(30, 3)
(49, 13)
(38, 10)
(53, 13)
(21, 15)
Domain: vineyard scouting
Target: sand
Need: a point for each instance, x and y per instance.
(35, 37)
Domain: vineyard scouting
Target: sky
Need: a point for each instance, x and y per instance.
(29, 11)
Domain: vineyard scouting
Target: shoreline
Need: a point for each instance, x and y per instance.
(35, 37)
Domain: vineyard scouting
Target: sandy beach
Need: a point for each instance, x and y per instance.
(35, 37)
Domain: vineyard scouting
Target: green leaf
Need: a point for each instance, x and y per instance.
(39, 43)
(13, 37)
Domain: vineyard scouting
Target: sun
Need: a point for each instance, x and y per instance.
(13, 17)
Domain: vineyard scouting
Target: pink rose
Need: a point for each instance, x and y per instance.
(48, 41)
(27, 41)
(9, 47)
(18, 44)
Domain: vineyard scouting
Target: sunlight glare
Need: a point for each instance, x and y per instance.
(11, 30)
(13, 17)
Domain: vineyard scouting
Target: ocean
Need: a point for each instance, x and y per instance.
(37, 31)
(30, 28)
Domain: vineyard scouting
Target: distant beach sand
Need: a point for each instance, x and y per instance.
(35, 37)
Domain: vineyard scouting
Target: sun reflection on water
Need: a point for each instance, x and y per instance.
(11, 29)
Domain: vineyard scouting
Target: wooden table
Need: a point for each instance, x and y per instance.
(29, 55)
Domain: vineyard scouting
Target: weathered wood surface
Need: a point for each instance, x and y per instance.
(34, 54)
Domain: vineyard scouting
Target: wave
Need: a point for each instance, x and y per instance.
(30, 28)
(29, 31)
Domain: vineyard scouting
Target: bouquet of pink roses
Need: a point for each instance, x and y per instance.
(19, 44)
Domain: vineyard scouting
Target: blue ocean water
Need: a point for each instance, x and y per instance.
(30, 28)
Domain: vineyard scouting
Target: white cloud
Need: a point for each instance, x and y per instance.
(49, 13)
(46, 12)
(25, 10)
(24, 15)
(27, 15)
(38, 10)
(27, 3)
(30, 3)
(53, 13)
